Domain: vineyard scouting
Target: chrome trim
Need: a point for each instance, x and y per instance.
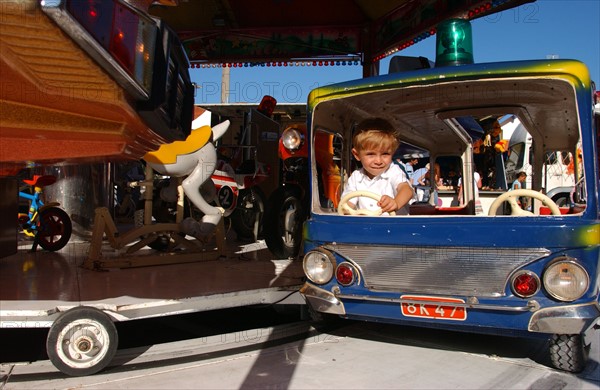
(447, 271)
(572, 319)
(472, 303)
(57, 12)
(321, 300)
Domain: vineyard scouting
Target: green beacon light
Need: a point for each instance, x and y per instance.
(454, 43)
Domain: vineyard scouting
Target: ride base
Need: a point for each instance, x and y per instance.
(182, 248)
(36, 287)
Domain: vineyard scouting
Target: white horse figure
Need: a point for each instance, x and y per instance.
(196, 158)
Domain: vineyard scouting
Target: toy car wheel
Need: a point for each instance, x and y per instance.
(568, 352)
(82, 341)
(249, 210)
(562, 200)
(54, 229)
(283, 223)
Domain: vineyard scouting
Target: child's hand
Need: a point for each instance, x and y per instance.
(350, 205)
(387, 204)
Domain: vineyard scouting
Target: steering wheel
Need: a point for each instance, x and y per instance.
(344, 209)
(511, 198)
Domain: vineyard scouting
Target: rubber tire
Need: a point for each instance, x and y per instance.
(243, 217)
(562, 200)
(82, 325)
(323, 322)
(280, 202)
(54, 222)
(568, 352)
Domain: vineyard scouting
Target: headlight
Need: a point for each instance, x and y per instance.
(292, 139)
(566, 280)
(318, 266)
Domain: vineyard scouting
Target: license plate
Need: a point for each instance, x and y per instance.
(435, 310)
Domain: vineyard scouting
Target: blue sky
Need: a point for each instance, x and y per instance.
(558, 28)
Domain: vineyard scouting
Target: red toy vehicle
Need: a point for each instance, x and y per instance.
(288, 205)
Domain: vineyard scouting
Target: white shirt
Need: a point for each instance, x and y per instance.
(385, 184)
(476, 178)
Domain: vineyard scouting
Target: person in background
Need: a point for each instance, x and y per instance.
(409, 166)
(419, 181)
(436, 183)
(421, 175)
(518, 184)
(477, 183)
(374, 143)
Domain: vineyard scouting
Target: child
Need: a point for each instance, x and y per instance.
(375, 142)
(419, 180)
(519, 184)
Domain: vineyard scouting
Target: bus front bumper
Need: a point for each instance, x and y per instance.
(570, 319)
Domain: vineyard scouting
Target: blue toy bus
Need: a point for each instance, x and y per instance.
(520, 265)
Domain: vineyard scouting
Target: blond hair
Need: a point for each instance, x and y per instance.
(375, 133)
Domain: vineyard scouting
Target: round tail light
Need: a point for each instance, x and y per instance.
(525, 284)
(345, 274)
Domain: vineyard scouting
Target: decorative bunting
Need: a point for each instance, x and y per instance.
(275, 64)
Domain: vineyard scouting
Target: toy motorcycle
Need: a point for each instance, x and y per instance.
(48, 225)
(236, 190)
(288, 204)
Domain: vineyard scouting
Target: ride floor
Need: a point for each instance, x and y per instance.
(36, 286)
